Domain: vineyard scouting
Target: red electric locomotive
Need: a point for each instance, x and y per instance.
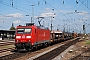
(31, 35)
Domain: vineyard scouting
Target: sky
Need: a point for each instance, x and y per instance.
(68, 14)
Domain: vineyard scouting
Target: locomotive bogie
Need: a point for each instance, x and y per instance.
(23, 45)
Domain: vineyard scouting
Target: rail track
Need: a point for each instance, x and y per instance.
(7, 49)
(3, 43)
(47, 56)
(12, 56)
(6, 41)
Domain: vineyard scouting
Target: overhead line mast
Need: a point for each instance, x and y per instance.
(32, 18)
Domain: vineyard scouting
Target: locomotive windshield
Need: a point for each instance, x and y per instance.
(23, 30)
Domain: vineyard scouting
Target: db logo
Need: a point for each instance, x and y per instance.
(23, 36)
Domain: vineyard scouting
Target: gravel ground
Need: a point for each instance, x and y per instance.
(76, 49)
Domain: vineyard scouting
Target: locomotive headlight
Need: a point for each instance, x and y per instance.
(18, 36)
(28, 36)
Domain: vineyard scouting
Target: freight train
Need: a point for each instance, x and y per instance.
(31, 36)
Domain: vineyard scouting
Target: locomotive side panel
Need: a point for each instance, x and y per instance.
(43, 35)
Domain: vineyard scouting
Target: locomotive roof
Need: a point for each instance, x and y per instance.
(42, 27)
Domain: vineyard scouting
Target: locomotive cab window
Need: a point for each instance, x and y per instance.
(27, 30)
(23, 30)
(20, 30)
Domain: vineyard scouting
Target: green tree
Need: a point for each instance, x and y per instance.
(12, 27)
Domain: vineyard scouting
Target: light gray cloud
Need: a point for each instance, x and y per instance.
(82, 13)
(48, 14)
(17, 22)
(16, 15)
(86, 18)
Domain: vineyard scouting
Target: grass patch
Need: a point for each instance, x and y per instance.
(88, 42)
